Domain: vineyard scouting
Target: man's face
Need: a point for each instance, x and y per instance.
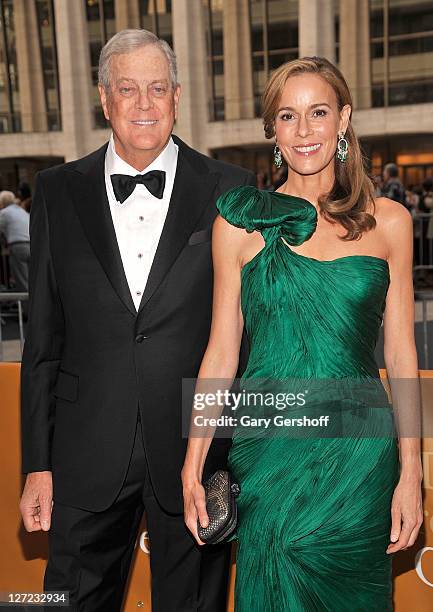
(141, 103)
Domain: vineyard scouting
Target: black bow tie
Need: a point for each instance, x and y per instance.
(124, 185)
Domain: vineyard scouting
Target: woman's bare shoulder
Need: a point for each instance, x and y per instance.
(232, 242)
(390, 212)
(223, 231)
(393, 220)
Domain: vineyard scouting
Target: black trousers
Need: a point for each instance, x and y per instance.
(90, 552)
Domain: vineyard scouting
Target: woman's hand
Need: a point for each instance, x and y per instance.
(194, 503)
(220, 361)
(406, 513)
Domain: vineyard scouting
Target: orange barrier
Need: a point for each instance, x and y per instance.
(413, 568)
(23, 555)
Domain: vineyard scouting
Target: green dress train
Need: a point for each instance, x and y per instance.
(314, 511)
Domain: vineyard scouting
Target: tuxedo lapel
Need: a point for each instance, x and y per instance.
(87, 186)
(193, 189)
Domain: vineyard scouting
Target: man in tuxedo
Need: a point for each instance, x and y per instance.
(120, 311)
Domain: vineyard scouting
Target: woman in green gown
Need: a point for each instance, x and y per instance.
(311, 271)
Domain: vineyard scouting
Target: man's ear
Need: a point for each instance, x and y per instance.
(104, 102)
(176, 100)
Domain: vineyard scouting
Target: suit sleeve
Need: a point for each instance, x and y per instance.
(43, 344)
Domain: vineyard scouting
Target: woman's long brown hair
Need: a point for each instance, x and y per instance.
(353, 190)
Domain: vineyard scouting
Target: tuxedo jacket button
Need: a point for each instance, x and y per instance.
(140, 338)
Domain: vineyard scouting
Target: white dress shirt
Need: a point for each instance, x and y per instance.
(139, 220)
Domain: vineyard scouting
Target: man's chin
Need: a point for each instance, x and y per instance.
(145, 144)
(150, 144)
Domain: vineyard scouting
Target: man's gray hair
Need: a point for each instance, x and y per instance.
(392, 169)
(127, 41)
(7, 198)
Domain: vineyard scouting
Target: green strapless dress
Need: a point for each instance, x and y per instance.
(314, 512)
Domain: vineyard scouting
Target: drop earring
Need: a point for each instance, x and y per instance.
(342, 148)
(278, 158)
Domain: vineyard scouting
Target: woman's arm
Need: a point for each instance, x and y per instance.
(402, 371)
(220, 361)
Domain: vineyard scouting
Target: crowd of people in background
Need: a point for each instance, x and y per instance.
(416, 198)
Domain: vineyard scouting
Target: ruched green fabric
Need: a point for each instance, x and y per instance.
(314, 512)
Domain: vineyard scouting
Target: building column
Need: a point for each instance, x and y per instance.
(316, 29)
(127, 13)
(32, 91)
(238, 70)
(355, 61)
(74, 76)
(190, 47)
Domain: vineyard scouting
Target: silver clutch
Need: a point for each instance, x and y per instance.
(221, 493)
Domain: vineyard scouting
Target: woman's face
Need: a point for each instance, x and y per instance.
(307, 123)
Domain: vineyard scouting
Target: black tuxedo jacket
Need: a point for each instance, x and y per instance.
(90, 359)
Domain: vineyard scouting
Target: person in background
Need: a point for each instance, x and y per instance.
(262, 180)
(25, 196)
(412, 199)
(428, 206)
(280, 178)
(427, 195)
(14, 224)
(423, 191)
(392, 186)
(378, 183)
(422, 257)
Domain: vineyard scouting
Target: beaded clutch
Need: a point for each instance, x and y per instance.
(221, 493)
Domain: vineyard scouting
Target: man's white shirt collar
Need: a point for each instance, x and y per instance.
(166, 160)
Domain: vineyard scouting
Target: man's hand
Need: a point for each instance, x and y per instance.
(37, 501)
